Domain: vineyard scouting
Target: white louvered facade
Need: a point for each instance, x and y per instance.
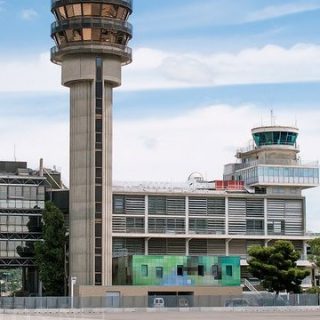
(213, 223)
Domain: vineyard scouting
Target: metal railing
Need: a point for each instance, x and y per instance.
(91, 22)
(125, 2)
(259, 299)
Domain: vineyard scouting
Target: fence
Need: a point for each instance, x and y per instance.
(159, 301)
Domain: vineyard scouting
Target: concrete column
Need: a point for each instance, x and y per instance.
(146, 213)
(82, 181)
(146, 246)
(226, 215)
(187, 214)
(227, 246)
(107, 189)
(305, 251)
(187, 247)
(265, 205)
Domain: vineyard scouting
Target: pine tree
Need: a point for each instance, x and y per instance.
(50, 253)
(276, 267)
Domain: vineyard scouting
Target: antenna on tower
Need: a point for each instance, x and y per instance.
(272, 117)
(14, 153)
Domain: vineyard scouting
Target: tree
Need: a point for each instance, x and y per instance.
(276, 267)
(315, 251)
(50, 253)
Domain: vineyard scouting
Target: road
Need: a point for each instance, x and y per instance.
(170, 315)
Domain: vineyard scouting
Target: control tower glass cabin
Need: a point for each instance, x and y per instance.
(91, 39)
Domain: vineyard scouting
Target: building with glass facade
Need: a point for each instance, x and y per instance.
(22, 200)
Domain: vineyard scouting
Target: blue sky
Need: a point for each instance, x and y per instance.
(204, 73)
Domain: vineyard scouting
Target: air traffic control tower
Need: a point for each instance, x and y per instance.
(91, 39)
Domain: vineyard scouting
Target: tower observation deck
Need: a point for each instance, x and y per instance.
(91, 39)
(272, 162)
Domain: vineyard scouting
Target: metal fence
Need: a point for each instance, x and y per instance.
(160, 301)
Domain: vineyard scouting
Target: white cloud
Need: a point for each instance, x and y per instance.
(31, 138)
(165, 149)
(35, 73)
(154, 69)
(271, 12)
(29, 14)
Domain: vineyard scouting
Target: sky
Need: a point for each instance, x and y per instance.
(203, 74)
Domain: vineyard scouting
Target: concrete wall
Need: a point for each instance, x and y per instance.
(136, 291)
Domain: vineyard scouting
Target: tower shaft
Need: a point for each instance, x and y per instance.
(91, 79)
(91, 46)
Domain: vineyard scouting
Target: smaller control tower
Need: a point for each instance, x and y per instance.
(91, 39)
(271, 164)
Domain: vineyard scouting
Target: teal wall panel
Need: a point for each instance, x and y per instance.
(180, 271)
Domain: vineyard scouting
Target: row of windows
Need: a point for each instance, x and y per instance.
(275, 137)
(288, 172)
(22, 192)
(22, 224)
(182, 270)
(15, 249)
(198, 207)
(92, 10)
(99, 170)
(161, 205)
(90, 34)
(280, 174)
(21, 204)
(197, 226)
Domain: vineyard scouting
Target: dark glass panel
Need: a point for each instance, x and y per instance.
(98, 193)
(98, 278)
(98, 125)
(98, 230)
(99, 159)
(96, 9)
(98, 264)
(98, 172)
(179, 270)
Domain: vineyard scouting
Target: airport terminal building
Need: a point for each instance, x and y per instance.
(258, 202)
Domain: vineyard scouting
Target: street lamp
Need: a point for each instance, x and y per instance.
(73, 281)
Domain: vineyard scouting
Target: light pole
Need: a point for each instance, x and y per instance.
(73, 281)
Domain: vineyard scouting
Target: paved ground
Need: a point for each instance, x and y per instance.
(173, 316)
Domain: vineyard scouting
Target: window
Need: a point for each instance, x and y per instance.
(98, 264)
(98, 230)
(255, 226)
(118, 204)
(180, 270)
(229, 271)
(216, 272)
(201, 270)
(159, 272)
(144, 270)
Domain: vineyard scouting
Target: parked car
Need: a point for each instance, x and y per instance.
(236, 302)
(183, 302)
(158, 303)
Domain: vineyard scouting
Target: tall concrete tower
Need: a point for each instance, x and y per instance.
(91, 39)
